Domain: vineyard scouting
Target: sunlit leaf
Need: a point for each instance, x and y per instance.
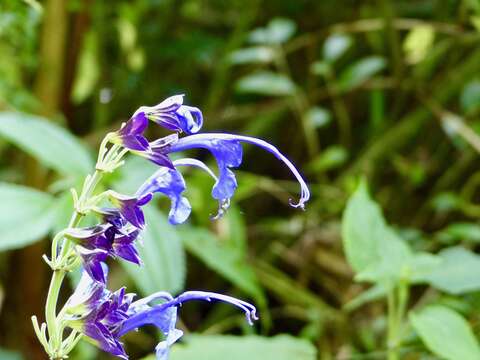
(375, 250)
(266, 83)
(446, 333)
(54, 146)
(458, 272)
(362, 224)
(278, 31)
(418, 43)
(255, 54)
(332, 157)
(335, 46)
(394, 257)
(26, 215)
(360, 71)
(318, 116)
(321, 68)
(470, 96)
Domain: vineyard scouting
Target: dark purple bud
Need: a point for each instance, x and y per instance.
(131, 134)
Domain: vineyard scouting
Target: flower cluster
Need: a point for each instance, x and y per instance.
(106, 316)
(102, 316)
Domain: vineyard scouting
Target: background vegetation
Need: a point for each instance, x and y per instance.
(385, 91)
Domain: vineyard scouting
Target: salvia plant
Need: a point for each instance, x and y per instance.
(94, 312)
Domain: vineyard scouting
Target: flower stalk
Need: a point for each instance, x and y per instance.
(57, 347)
(95, 312)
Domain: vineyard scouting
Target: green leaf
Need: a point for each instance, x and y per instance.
(132, 175)
(54, 146)
(335, 46)
(318, 116)
(418, 43)
(468, 232)
(266, 83)
(255, 54)
(470, 97)
(360, 71)
(332, 157)
(223, 257)
(361, 224)
(374, 293)
(163, 256)
(374, 250)
(26, 215)
(393, 259)
(232, 228)
(457, 273)
(446, 333)
(420, 265)
(321, 68)
(278, 31)
(221, 347)
(10, 355)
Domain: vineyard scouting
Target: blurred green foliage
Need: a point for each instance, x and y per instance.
(385, 91)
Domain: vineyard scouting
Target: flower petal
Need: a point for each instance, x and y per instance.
(227, 151)
(92, 262)
(129, 207)
(131, 134)
(173, 115)
(170, 183)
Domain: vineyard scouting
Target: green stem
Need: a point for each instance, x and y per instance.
(403, 294)
(59, 274)
(397, 299)
(392, 325)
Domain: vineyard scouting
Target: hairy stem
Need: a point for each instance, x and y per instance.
(55, 331)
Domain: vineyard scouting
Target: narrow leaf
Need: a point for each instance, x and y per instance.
(163, 256)
(360, 71)
(266, 83)
(51, 144)
(229, 261)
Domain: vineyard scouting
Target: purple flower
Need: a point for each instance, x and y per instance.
(170, 183)
(92, 262)
(129, 207)
(131, 136)
(105, 317)
(227, 150)
(97, 314)
(173, 115)
(96, 243)
(164, 315)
